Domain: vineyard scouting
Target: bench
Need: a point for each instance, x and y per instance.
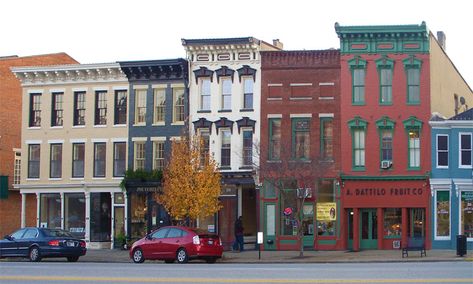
(414, 244)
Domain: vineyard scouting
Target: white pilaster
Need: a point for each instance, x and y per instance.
(38, 211)
(23, 210)
(87, 217)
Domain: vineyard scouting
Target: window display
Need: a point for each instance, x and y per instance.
(100, 216)
(326, 209)
(466, 218)
(392, 222)
(74, 216)
(50, 207)
(442, 212)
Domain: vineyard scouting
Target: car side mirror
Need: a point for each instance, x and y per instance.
(148, 237)
(8, 237)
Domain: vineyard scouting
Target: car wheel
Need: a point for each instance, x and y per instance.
(34, 254)
(72, 258)
(169, 260)
(138, 256)
(211, 260)
(182, 256)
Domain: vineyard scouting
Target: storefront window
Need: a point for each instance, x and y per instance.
(392, 222)
(269, 189)
(466, 225)
(74, 207)
(138, 214)
(416, 222)
(289, 208)
(50, 206)
(308, 220)
(326, 209)
(100, 216)
(442, 213)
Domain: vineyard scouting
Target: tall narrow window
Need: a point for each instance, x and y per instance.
(79, 108)
(414, 148)
(100, 107)
(78, 155)
(204, 145)
(412, 67)
(442, 151)
(442, 214)
(205, 94)
(358, 86)
(17, 168)
(57, 109)
(226, 148)
(119, 159)
(465, 150)
(326, 138)
(139, 163)
(274, 139)
(120, 106)
(247, 148)
(35, 110)
(466, 214)
(158, 155)
(301, 139)
(100, 155)
(248, 93)
(386, 145)
(385, 82)
(226, 94)
(140, 106)
(33, 160)
(55, 168)
(178, 98)
(358, 148)
(159, 105)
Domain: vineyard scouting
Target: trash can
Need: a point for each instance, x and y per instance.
(461, 245)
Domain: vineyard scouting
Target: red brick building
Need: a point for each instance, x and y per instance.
(10, 138)
(299, 148)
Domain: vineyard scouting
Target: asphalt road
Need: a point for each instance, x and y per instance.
(157, 272)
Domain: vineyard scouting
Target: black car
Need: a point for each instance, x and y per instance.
(38, 243)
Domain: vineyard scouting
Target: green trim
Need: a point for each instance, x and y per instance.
(412, 63)
(413, 122)
(357, 64)
(266, 184)
(3, 187)
(358, 122)
(326, 242)
(385, 124)
(355, 124)
(383, 178)
(288, 242)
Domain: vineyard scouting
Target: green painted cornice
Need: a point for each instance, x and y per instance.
(357, 62)
(383, 39)
(384, 63)
(385, 122)
(383, 178)
(412, 122)
(357, 122)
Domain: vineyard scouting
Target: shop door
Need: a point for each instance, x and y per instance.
(159, 217)
(226, 220)
(308, 225)
(119, 226)
(368, 229)
(350, 229)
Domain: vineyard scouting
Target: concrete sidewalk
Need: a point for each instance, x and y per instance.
(103, 255)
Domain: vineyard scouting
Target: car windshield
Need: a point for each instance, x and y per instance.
(56, 233)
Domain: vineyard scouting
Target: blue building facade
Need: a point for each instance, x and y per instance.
(451, 180)
(158, 114)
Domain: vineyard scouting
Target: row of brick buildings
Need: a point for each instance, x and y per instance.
(345, 131)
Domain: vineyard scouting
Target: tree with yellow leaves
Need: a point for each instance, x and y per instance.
(191, 182)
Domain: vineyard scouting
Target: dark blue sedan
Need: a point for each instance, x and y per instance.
(38, 243)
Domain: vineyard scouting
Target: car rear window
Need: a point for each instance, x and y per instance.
(203, 233)
(57, 233)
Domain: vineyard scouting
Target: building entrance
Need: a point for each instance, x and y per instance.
(368, 229)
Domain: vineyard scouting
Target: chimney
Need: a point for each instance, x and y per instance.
(277, 43)
(442, 39)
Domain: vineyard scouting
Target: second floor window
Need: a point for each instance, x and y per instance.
(358, 148)
(120, 107)
(386, 145)
(158, 155)
(274, 139)
(413, 85)
(204, 146)
(55, 168)
(442, 151)
(100, 107)
(248, 93)
(226, 148)
(17, 168)
(100, 154)
(119, 159)
(385, 82)
(205, 94)
(78, 155)
(300, 139)
(358, 86)
(79, 108)
(247, 147)
(33, 160)
(414, 148)
(465, 150)
(178, 98)
(326, 138)
(35, 110)
(140, 106)
(159, 105)
(139, 163)
(226, 94)
(57, 109)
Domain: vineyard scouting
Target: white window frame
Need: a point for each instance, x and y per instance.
(442, 238)
(437, 151)
(459, 210)
(155, 158)
(138, 93)
(243, 85)
(460, 165)
(224, 95)
(17, 166)
(156, 93)
(202, 95)
(135, 151)
(175, 93)
(221, 147)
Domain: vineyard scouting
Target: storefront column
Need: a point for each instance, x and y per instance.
(62, 210)
(23, 210)
(125, 196)
(87, 217)
(38, 208)
(356, 229)
(112, 222)
(405, 228)
(380, 228)
(342, 233)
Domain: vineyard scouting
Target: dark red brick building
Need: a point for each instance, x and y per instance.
(300, 148)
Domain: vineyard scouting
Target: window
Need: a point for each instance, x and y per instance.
(326, 137)
(74, 214)
(35, 110)
(178, 98)
(300, 139)
(55, 169)
(385, 86)
(204, 146)
(358, 148)
(100, 107)
(326, 208)
(120, 106)
(205, 94)
(33, 160)
(414, 148)
(159, 105)
(158, 155)
(392, 222)
(100, 216)
(442, 214)
(412, 68)
(57, 109)
(226, 94)
(226, 148)
(139, 163)
(50, 210)
(466, 214)
(79, 108)
(160, 234)
(274, 139)
(78, 154)
(17, 168)
(248, 93)
(288, 200)
(465, 150)
(386, 145)
(247, 147)
(358, 86)
(140, 106)
(442, 151)
(119, 159)
(269, 188)
(99, 159)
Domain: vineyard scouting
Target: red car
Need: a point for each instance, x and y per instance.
(176, 243)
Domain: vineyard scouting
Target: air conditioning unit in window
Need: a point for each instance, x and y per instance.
(304, 193)
(386, 164)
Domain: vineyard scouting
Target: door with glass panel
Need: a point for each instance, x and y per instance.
(368, 229)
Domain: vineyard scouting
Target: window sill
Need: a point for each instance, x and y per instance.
(57, 127)
(225, 110)
(274, 161)
(204, 111)
(413, 103)
(246, 168)
(118, 178)
(326, 98)
(33, 179)
(78, 126)
(178, 123)
(274, 99)
(357, 104)
(77, 178)
(119, 125)
(226, 168)
(301, 161)
(246, 110)
(34, 127)
(99, 178)
(413, 169)
(465, 167)
(100, 126)
(54, 179)
(300, 99)
(158, 124)
(139, 125)
(359, 169)
(385, 104)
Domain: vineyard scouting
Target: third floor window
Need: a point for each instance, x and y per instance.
(120, 106)
(79, 108)
(100, 107)
(35, 110)
(140, 106)
(57, 109)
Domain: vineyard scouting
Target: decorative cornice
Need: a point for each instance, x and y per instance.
(224, 122)
(203, 72)
(224, 71)
(246, 122)
(203, 123)
(246, 71)
(171, 69)
(300, 58)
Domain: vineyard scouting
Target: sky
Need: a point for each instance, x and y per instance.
(96, 31)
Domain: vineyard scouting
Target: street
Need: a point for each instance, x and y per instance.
(158, 272)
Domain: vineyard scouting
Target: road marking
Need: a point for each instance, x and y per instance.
(227, 280)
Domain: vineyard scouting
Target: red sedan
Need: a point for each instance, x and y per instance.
(176, 243)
